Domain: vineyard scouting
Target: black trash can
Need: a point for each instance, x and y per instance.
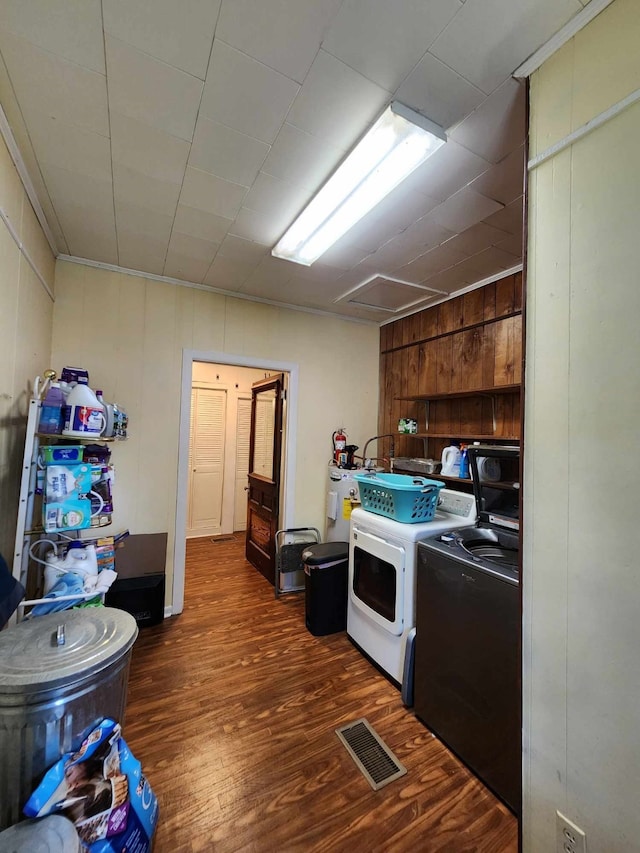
(325, 581)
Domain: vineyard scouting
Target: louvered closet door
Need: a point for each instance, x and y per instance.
(208, 419)
(243, 431)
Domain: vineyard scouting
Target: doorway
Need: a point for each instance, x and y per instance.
(194, 365)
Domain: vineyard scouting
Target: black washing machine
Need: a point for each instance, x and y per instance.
(467, 678)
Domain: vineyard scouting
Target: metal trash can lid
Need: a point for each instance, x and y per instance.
(52, 834)
(326, 552)
(38, 655)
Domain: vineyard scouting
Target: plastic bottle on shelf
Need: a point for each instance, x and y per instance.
(85, 416)
(108, 415)
(51, 413)
(464, 463)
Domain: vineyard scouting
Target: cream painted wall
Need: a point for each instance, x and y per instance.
(129, 332)
(581, 581)
(26, 316)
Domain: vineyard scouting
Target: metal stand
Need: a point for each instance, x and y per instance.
(289, 547)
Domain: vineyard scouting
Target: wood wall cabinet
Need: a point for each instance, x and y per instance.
(463, 360)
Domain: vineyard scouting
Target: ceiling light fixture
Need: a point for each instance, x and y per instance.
(399, 141)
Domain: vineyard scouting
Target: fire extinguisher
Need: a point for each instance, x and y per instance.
(339, 444)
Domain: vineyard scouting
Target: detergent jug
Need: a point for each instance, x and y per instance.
(451, 461)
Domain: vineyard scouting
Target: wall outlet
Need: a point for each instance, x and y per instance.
(569, 837)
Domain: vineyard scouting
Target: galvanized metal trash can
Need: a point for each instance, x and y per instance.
(52, 834)
(60, 674)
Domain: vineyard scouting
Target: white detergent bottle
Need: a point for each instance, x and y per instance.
(85, 413)
(108, 415)
(80, 559)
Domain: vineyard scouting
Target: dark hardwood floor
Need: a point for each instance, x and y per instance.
(232, 708)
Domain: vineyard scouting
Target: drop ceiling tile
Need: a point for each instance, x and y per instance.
(504, 182)
(185, 267)
(512, 244)
(259, 227)
(498, 126)
(301, 158)
(179, 34)
(508, 219)
(438, 92)
(47, 84)
(382, 40)
(482, 44)
(344, 255)
(227, 273)
(423, 268)
(211, 194)
(70, 30)
(476, 239)
(478, 267)
(68, 146)
(281, 199)
(246, 95)
(407, 246)
(132, 219)
(88, 191)
(387, 293)
(134, 188)
(464, 209)
(237, 249)
(199, 223)
(285, 35)
(336, 103)
(447, 171)
(271, 273)
(151, 91)
(227, 153)
(90, 230)
(147, 149)
(140, 252)
(450, 280)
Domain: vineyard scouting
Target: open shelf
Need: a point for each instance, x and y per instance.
(448, 395)
(461, 435)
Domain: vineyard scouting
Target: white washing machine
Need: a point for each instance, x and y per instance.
(341, 489)
(382, 577)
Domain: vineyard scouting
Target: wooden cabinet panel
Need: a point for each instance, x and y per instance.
(505, 296)
(427, 372)
(429, 322)
(504, 370)
(489, 301)
(451, 315)
(473, 307)
(444, 360)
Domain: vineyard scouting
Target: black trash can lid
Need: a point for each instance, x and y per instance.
(327, 552)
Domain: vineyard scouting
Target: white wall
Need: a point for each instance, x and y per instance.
(129, 332)
(581, 582)
(26, 316)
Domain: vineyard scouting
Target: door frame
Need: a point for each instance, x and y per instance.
(289, 468)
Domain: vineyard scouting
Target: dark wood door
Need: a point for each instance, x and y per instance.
(265, 455)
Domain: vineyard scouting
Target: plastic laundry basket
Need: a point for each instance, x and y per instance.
(399, 496)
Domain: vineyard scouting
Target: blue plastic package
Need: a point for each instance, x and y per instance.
(102, 789)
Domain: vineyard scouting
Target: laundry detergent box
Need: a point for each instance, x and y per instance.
(102, 789)
(70, 514)
(61, 454)
(67, 481)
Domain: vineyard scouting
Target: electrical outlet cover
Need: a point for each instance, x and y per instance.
(569, 837)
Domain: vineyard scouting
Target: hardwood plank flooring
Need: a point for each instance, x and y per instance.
(232, 708)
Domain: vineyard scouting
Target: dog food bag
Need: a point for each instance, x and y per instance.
(102, 789)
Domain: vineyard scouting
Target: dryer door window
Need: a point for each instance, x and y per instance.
(377, 576)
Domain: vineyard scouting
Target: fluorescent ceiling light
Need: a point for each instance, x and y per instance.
(399, 141)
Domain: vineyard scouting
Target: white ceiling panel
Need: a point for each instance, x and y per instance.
(344, 255)
(284, 35)
(245, 94)
(259, 227)
(151, 91)
(480, 266)
(237, 249)
(407, 246)
(270, 273)
(498, 126)
(382, 40)
(438, 92)
(464, 209)
(188, 257)
(447, 171)
(144, 222)
(504, 181)
(58, 143)
(89, 191)
(508, 219)
(46, 83)
(301, 158)
(140, 252)
(269, 194)
(227, 153)
(336, 103)
(477, 238)
(133, 188)
(95, 240)
(199, 223)
(389, 294)
(482, 44)
(427, 265)
(147, 149)
(227, 273)
(512, 244)
(211, 194)
(179, 34)
(70, 28)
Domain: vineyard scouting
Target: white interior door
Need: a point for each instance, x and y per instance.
(243, 432)
(206, 461)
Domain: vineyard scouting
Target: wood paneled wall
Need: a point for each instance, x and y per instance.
(470, 342)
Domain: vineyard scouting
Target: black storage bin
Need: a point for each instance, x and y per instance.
(325, 577)
(140, 586)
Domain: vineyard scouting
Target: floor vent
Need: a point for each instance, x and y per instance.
(372, 756)
(223, 537)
